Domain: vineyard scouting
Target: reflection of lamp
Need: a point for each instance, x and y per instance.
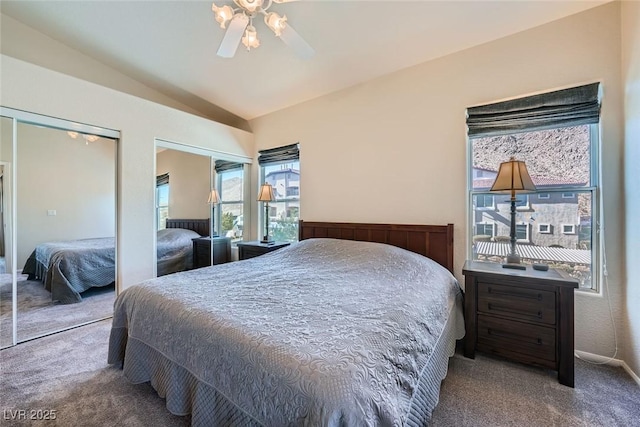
(513, 178)
(213, 201)
(266, 195)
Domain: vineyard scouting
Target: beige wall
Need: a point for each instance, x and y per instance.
(31, 88)
(631, 79)
(77, 180)
(189, 183)
(396, 147)
(18, 40)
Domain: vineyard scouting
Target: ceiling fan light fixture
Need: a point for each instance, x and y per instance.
(276, 22)
(250, 38)
(239, 23)
(249, 5)
(224, 14)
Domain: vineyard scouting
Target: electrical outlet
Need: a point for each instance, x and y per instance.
(51, 212)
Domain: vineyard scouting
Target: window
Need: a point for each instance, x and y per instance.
(560, 147)
(544, 228)
(485, 201)
(280, 167)
(522, 232)
(522, 201)
(162, 200)
(485, 229)
(229, 212)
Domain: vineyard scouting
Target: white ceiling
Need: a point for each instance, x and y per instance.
(173, 43)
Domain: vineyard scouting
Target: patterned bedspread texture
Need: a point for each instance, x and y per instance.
(68, 268)
(323, 332)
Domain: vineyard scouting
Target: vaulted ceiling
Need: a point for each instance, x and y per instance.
(171, 45)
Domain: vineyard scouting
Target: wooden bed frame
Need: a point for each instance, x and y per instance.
(432, 241)
(200, 226)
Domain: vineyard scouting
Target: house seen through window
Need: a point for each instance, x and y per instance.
(230, 210)
(554, 225)
(280, 167)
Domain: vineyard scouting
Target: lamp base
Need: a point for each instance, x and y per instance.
(513, 259)
(267, 241)
(514, 266)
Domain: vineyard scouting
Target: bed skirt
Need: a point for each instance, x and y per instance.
(186, 394)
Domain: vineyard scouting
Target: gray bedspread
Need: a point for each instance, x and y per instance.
(68, 268)
(322, 333)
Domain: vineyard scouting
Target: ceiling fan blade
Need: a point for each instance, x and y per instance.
(296, 42)
(283, 1)
(232, 37)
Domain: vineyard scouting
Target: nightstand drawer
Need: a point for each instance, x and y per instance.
(517, 302)
(515, 337)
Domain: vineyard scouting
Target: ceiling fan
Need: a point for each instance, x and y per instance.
(241, 29)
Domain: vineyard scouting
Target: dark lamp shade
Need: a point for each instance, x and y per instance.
(266, 193)
(513, 177)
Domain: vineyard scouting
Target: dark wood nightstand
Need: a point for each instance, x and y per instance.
(523, 315)
(248, 250)
(202, 251)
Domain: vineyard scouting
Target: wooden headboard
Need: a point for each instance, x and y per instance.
(200, 226)
(433, 241)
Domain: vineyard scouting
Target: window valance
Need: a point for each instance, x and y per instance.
(225, 165)
(279, 154)
(567, 107)
(162, 179)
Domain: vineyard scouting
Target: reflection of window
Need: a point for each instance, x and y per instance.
(485, 229)
(522, 232)
(544, 228)
(229, 212)
(560, 147)
(485, 201)
(280, 167)
(162, 200)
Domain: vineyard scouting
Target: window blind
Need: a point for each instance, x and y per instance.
(162, 179)
(567, 107)
(279, 154)
(225, 165)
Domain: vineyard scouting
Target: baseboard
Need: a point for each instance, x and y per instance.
(596, 358)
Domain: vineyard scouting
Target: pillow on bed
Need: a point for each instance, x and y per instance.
(169, 234)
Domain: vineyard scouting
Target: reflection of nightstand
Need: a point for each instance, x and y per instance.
(523, 315)
(248, 250)
(202, 251)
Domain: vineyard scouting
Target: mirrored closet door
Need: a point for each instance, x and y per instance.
(201, 192)
(64, 227)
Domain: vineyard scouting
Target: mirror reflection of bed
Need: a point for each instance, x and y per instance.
(183, 182)
(66, 193)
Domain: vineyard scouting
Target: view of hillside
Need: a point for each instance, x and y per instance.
(558, 154)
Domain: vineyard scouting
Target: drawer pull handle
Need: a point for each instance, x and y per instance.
(537, 297)
(493, 307)
(503, 334)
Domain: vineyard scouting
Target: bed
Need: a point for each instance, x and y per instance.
(349, 326)
(68, 268)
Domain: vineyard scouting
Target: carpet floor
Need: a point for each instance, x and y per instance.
(38, 315)
(68, 373)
